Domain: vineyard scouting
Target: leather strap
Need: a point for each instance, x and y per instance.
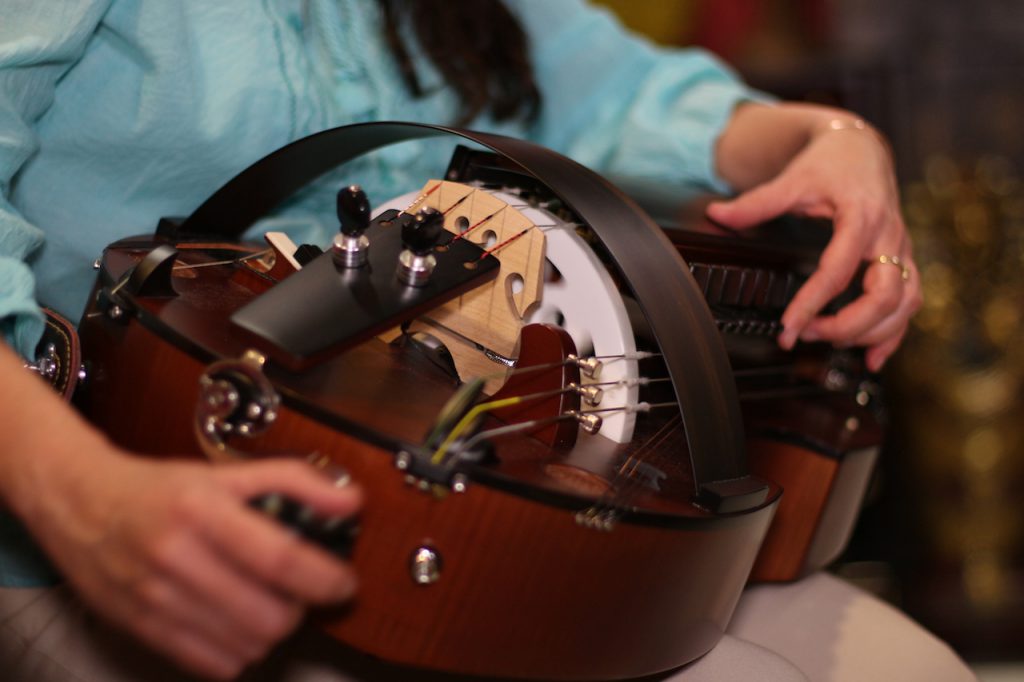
(58, 354)
(648, 262)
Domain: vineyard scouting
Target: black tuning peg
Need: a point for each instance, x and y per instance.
(353, 210)
(351, 245)
(420, 234)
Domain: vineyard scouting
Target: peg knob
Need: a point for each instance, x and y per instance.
(351, 245)
(420, 234)
(353, 210)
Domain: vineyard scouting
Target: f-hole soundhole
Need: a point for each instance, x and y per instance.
(514, 284)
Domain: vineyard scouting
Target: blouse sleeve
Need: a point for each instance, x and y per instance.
(623, 106)
(39, 42)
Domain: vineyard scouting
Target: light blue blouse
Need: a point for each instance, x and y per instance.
(114, 113)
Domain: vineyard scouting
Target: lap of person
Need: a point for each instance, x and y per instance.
(819, 628)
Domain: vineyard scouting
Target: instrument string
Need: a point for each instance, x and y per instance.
(422, 196)
(479, 409)
(475, 226)
(528, 425)
(625, 485)
(456, 204)
(577, 360)
(461, 431)
(640, 407)
(505, 243)
(510, 362)
(630, 383)
(230, 261)
(191, 266)
(467, 420)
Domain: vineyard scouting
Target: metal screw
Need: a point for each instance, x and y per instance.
(425, 566)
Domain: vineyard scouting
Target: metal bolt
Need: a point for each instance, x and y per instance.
(425, 566)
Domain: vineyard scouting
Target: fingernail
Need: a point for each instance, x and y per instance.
(787, 338)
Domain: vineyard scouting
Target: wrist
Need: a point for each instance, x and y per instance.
(46, 443)
(847, 123)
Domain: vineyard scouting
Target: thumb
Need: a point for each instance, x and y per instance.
(754, 206)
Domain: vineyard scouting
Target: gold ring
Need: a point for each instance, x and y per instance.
(898, 262)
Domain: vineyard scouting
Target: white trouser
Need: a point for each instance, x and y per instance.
(819, 628)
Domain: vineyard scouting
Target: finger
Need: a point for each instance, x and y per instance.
(292, 478)
(877, 356)
(839, 261)
(269, 553)
(233, 605)
(755, 206)
(163, 598)
(893, 325)
(883, 294)
(149, 610)
(189, 649)
(892, 329)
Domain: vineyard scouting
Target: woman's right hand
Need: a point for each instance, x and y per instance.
(169, 550)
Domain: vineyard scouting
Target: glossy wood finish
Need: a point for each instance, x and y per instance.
(525, 590)
(821, 500)
(544, 345)
(804, 433)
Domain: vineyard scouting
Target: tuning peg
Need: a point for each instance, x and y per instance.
(351, 245)
(420, 235)
(353, 210)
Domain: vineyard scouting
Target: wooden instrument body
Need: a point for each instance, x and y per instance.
(811, 416)
(816, 516)
(528, 585)
(524, 589)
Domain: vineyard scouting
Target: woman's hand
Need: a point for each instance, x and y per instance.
(171, 552)
(168, 550)
(825, 163)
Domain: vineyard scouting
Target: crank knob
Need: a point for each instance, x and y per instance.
(336, 534)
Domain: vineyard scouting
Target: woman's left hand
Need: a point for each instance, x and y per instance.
(844, 172)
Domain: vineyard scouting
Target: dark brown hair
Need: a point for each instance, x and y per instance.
(478, 46)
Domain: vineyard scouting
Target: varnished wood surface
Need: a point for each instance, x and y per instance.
(818, 443)
(525, 590)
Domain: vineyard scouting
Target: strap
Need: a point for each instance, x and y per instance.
(58, 355)
(648, 262)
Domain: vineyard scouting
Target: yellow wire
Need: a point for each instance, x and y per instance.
(468, 419)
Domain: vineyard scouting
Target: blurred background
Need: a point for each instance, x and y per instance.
(942, 533)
